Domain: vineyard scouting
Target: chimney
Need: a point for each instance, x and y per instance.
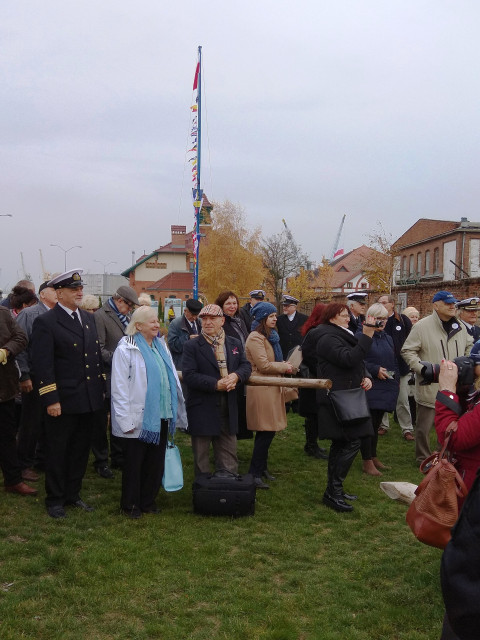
(178, 235)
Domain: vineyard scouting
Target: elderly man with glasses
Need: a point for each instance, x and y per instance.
(111, 321)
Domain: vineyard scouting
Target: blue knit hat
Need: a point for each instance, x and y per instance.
(261, 310)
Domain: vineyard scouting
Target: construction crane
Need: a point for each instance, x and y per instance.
(46, 275)
(337, 239)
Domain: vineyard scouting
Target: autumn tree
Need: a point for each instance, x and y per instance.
(230, 256)
(301, 286)
(282, 257)
(379, 263)
(324, 280)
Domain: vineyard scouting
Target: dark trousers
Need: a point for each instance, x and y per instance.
(142, 473)
(340, 459)
(258, 463)
(67, 445)
(368, 445)
(9, 464)
(100, 442)
(30, 429)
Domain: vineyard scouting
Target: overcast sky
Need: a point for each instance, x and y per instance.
(314, 109)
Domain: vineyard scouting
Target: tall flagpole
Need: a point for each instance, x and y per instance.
(197, 193)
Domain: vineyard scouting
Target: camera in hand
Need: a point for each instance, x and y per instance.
(466, 371)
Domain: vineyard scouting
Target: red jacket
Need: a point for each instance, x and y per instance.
(465, 442)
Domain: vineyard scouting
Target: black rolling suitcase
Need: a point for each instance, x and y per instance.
(224, 494)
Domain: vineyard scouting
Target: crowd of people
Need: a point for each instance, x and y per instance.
(84, 376)
(79, 378)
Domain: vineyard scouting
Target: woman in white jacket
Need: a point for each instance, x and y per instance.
(147, 404)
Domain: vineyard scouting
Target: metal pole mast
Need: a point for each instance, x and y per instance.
(199, 191)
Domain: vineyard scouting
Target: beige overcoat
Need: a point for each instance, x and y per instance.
(265, 405)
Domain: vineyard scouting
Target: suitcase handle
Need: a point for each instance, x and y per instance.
(224, 473)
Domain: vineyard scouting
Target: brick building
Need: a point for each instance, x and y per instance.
(167, 272)
(434, 255)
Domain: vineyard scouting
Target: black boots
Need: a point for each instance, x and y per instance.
(337, 503)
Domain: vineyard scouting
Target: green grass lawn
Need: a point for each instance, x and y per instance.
(294, 571)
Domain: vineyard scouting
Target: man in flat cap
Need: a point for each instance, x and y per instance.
(213, 365)
(67, 362)
(468, 314)
(111, 321)
(182, 329)
(439, 335)
(256, 296)
(357, 305)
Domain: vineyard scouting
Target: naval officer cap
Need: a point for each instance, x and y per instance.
(258, 294)
(68, 280)
(469, 304)
(287, 300)
(356, 296)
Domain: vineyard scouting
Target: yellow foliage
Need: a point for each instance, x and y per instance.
(230, 256)
(300, 286)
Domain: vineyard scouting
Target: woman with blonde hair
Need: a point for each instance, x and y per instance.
(147, 405)
(382, 366)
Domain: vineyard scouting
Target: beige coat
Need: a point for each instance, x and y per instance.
(265, 405)
(428, 341)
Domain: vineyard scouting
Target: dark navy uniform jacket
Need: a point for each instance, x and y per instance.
(289, 331)
(67, 362)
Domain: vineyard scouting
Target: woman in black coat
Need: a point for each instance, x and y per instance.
(340, 357)
(307, 405)
(382, 365)
(235, 327)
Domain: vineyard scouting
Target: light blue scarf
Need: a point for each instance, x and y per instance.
(274, 340)
(152, 415)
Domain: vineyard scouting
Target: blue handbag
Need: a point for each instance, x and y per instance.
(173, 472)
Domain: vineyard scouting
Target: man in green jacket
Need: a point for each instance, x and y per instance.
(439, 335)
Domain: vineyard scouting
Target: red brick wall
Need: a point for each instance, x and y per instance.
(420, 295)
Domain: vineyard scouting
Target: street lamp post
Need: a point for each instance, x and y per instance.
(105, 264)
(65, 251)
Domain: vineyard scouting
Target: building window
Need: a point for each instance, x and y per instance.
(404, 267)
(436, 260)
(427, 262)
(363, 285)
(419, 264)
(411, 266)
(349, 285)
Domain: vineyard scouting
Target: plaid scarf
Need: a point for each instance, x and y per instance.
(121, 316)
(218, 343)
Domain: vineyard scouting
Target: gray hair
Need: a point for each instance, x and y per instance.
(89, 302)
(141, 314)
(377, 310)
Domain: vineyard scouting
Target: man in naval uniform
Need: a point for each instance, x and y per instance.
(289, 325)
(256, 296)
(67, 363)
(357, 305)
(468, 314)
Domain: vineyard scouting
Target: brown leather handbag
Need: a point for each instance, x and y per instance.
(434, 511)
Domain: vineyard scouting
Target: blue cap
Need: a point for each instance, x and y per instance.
(445, 296)
(262, 310)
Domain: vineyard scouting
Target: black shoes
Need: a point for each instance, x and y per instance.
(104, 472)
(336, 503)
(315, 451)
(80, 504)
(260, 484)
(350, 496)
(266, 474)
(134, 513)
(56, 511)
